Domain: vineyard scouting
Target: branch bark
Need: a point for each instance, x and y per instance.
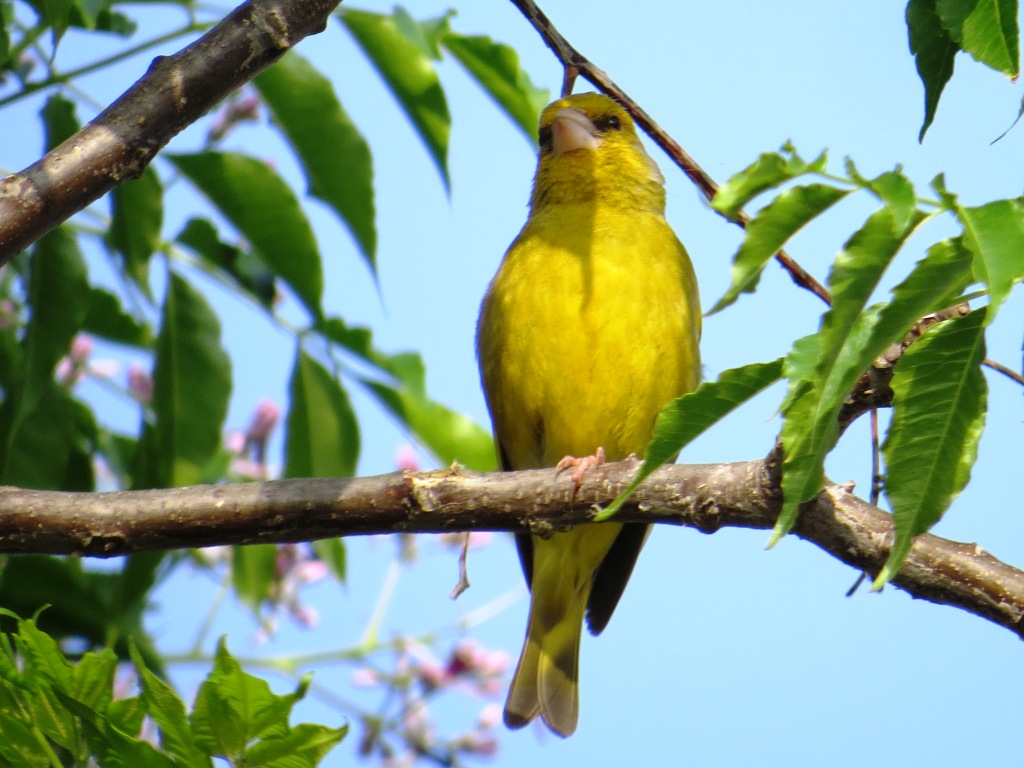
(175, 92)
(707, 497)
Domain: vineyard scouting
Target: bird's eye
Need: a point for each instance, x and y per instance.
(610, 123)
(544, 138)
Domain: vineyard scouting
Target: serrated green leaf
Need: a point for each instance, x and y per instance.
(333, 554)
(686, 417)
(822, 372)
(986, 29)
(322, 430)
(59, 119)
(257, 201)
(773, 226)
(769, 171)
(934, 54)
(252, 573)
(304, 745)
(137, 216)
(191, 387)
(995, 234)
(107, 319)
(335, 158)
(168, 712)
(242, 267)
(93, 679)
(939, 408)
(496, 68)
(410, 76)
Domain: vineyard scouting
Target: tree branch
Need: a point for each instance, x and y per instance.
(703, 496)
(175, 92)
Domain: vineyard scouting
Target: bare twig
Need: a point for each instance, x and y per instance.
(1008, 372)
(706, 497)
(175, 92)
(576, 63)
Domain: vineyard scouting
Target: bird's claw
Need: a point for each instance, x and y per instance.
(580, 466)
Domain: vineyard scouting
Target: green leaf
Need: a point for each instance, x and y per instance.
(252, 573)
(986, 29)
(257, 201)
(191, 387)
(107, 319)
(938, 416)
(450, 436)
(425, 35)
(233, 708)
(892, 188)
(93, 679)
(333, 554)
(410, 76)
(934, 53)
(168, 713)
(138, 214)
(768, 171)
(995, 234)
(822, 372)
(496, 68)
(322, 429)
(242, 267)
(304, 745)
(59, 119)
(773, 226)
(686, 417)
(39, 447)
(335, 158)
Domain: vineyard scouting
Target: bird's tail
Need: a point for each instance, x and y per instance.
(546, 677)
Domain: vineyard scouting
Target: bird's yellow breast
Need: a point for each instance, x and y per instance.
(590, 326)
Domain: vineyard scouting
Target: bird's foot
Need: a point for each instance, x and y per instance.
(580, 466)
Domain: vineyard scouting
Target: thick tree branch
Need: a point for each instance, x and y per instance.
(706, 497)
(175, 92)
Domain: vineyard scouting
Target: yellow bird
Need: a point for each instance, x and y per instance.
(589, 327)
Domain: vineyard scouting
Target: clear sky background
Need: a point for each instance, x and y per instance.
(721, 653)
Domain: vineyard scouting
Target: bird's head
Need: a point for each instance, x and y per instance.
(590, 150)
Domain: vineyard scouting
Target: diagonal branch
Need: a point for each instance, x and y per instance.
(575, 63)
(175, 92)
(703, 496)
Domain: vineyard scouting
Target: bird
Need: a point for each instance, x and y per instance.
(590, 325)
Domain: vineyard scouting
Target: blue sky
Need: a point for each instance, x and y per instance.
(721, 653)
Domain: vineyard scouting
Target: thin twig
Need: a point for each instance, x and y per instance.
(576, 63)
(1008, 372)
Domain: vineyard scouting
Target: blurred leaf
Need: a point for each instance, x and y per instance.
(686, 417)
(496, 68)
(36, 421)
(934, 53)
(252, 573)
(995, 234)
(938, 416)
(322, 429)
(425, 35)
(770, 229)
(892, 188)
(304, 745)
(191, 387)
(261, 206)
(450, 436)
(107, 319)
(986, 29)
(410, 76)
(334, 156)
(242, 267)
(359, 341)
(822, 372)
(59, 120)
(333, 554)
(768, 171)
(137, 216)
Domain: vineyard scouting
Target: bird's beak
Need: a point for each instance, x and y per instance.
(573, 130)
